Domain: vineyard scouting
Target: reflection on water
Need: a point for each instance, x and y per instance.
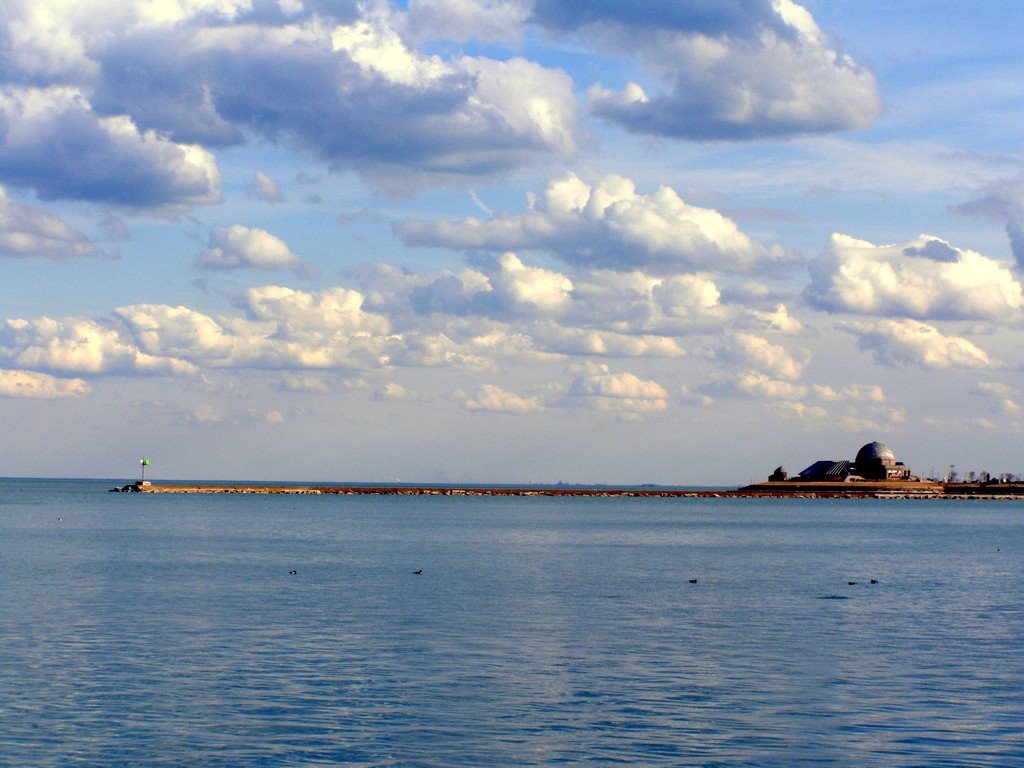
(169, 631)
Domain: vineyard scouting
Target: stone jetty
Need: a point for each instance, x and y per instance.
(768, 490)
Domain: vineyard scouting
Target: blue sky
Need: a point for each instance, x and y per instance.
(509, 240)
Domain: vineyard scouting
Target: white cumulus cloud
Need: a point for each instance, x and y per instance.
(282, 329)
(312, 384)
(264, 188)
(597, 388)
(40, 385)
(994, 388)
(762, 385)
(488, 397)
(729, 72)
(531, 288)
(161, 330)
(394, 392)
(803, 410)
(505, 288)
(911, 342)
(295, 312)
(760, 354)
(569, 340)
(31, 231)
(238, 247)
(926, 278)
(609, 224)
(867, 393)
(57, 145)
(1002, 393)
(79, 345)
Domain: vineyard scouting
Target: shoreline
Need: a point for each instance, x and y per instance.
(770, 490)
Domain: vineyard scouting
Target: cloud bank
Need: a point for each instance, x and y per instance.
(121, 102)
(136, 88)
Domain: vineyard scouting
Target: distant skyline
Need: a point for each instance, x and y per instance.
(676, 242)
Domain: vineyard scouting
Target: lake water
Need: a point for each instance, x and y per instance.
(168, 631)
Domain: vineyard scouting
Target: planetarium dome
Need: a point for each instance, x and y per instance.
(876, 461)
(875, 452)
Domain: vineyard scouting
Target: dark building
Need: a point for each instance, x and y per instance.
(875, 461)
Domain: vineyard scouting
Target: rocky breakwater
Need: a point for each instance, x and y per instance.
(768, 490)
(409, 490)
(217, 488)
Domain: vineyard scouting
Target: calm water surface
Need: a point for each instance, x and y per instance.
(167, 631)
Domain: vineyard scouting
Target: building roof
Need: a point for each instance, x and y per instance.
(827, 468)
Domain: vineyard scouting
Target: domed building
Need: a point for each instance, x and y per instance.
(875, 461)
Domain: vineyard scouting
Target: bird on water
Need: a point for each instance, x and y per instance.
(417, 573)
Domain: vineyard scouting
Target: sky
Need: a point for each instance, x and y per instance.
(674, 242)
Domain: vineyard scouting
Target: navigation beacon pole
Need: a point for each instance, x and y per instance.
(145, 463)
